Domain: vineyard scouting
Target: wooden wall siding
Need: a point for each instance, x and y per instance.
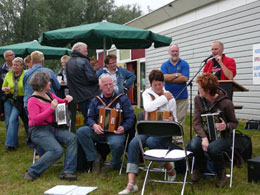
(239, 30)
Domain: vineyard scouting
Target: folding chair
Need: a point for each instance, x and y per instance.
(229, 156)
(162, 128)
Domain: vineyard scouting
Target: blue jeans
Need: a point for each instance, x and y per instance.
(84, 109)
(47, 138)
(87, 138)
(147, 141)
(11, 123)
(215, 153)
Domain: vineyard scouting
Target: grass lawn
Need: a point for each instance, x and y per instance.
(14, 164)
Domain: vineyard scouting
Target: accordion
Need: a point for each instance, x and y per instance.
(61, 115)
(157, 115)
(109, 119)
(208, 121)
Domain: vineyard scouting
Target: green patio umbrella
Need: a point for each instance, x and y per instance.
(103, 34)
(26, 48)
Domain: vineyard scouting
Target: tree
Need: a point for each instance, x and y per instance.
(25, 20)
(125, 13)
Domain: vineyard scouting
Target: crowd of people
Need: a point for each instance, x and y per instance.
(32, 91)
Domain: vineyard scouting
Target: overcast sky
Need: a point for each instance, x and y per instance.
(153, 4)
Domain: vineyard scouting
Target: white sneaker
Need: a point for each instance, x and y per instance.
(126, 191)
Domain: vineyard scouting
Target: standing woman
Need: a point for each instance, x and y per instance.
(42, 132)
(13, 106)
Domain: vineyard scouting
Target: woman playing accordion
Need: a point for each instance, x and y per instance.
(212, 99)
(156, 100)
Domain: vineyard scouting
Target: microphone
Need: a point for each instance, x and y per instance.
(207, 58)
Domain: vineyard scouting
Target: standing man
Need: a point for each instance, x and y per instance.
(37, 58)
(176, 73)
(4, 69)
(122, 78)
(223, 67)
(94, 133)
(62, 78)
(81, 79)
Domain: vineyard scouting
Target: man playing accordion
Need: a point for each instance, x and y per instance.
(212, 99)
(94, 133)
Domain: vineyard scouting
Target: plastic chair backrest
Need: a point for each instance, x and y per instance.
(159, 128)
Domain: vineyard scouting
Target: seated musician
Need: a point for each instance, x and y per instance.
(94, 133)
(212, 99)
(154, 98)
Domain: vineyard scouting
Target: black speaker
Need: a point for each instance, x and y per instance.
(254, 169)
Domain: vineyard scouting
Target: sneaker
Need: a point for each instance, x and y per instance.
(28, 177)
(196, 175)
(68, 176)
(134, 188)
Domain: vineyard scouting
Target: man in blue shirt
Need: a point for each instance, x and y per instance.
(38, 62)
(176, 73)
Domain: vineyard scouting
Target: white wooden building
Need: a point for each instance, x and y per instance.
(195, 24)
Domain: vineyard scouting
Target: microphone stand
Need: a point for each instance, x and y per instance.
(190, 84)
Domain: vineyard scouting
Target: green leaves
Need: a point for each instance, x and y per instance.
(25, 20)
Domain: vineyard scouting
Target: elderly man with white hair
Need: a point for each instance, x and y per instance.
(81, 79)
(95, 133)
(5, 68)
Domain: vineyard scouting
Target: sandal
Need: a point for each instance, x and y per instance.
(126, 191)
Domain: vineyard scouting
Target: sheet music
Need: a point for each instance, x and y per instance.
(162, 153)
(60, 189)
(70, 190)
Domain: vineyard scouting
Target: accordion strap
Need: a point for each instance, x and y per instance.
(152, 96)
(207, 110)
(43, 98)
(107, 106)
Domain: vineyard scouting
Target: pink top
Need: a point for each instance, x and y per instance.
(40, 112)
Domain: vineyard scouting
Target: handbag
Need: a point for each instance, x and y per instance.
(243, 145)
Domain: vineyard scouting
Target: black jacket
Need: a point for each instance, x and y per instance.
(81, 78)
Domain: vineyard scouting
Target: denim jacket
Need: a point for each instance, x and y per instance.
(124, 77)
(28, 91)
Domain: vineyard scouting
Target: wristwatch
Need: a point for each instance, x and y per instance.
(176, 75)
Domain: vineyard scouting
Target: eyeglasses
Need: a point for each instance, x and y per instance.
(10, 55)
(112, 62)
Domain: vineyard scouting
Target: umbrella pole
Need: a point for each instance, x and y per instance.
(104, 50)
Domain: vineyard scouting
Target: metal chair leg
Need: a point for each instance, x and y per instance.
(146, 176)
(185, 179)
(232, 158)
(123, 160)
(34, 155)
